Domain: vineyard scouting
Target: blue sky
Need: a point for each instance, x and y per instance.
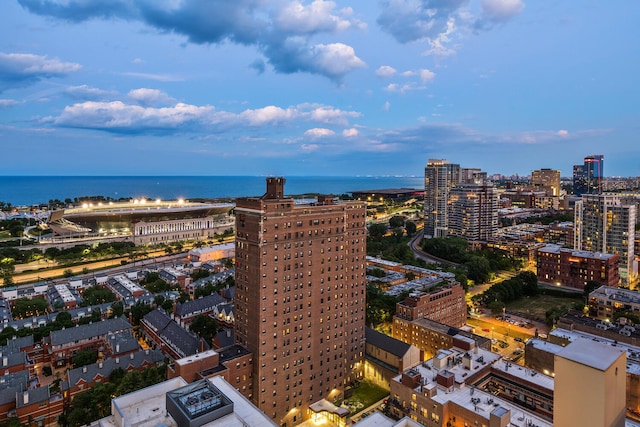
(313, 87)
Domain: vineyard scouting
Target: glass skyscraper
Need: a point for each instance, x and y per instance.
(587, 177)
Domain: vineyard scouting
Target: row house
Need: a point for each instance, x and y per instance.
(184, 313)
(173, 340)
(123, 287)
(62, 345)
(10, 386)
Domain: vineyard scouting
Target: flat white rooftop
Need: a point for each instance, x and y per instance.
(591, 353)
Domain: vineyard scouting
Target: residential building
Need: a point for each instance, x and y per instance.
(445, 304)
(440, 177)
(547, 180)
(473, 212)
(573, 268)
(430, 336)
(300, 298)
(604, 224)
(605, 302)
(65, 343)
(184, 313)
(587, 177)
(172, 339)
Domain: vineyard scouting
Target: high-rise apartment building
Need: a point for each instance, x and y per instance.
(300, 298)
(439, 177)
(547, 180)
(587, 177)
(604, 224)
(473, 212)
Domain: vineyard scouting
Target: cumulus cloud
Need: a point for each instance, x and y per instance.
(385, 71)
(23, 69)
(279, 30)
(145, 96)
(87, 93)
(563, 132)
(427, 75)
(350, 133)
(120, 117)
(319, 132)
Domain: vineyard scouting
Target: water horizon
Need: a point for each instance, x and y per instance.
(31, 190)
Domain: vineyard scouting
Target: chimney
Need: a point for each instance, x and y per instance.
(25, 398)
(117, 360)
(84, 369)
(5, 361)
(100, 365)
(131, 356)
(275, 188)
(118, 348)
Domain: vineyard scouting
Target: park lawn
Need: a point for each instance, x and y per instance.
(365, 395)
(536, 307)
(4, 234)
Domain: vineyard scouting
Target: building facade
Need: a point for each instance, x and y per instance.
(574, 268)
(300, 298)
(473, 212)
(604, 224)
(587, 177)
(445, 304)
(547, 180)
(439, 177)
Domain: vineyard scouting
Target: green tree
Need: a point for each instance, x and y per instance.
(84, 357)
(205, 327)
(410, 227)
(478, 269)
(25, 307)
(96, 295)
(396, 221)
(117, 309)
(376, 231)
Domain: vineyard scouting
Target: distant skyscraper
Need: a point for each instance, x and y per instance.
(473, 212)
(440, 177)
(587, 178)
(300, 298)
(604, 224)
(547, 180)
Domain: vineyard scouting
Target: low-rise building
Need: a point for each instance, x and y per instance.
(61, 297)
(574, 268)
(64, 344)
(606, 301)
(445, 304)
(386, 357)
(431, 336)
(184, 313)
(212, 253)
(172, 339)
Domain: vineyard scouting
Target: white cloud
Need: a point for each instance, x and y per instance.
(117, 116)
(335, 59)
(385, 71)
(350, 133)
(309, 147)
(269, 114)
(563, 132)
(319, 132)
(145, 96)
(23, 69)
(427, 75)
(316, 17)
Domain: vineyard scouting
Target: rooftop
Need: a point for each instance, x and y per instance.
(591, 353)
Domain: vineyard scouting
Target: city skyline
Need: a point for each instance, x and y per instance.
(288, 87)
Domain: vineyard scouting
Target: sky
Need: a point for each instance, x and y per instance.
(315, 87)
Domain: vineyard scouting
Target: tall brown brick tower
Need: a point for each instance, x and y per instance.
(300, 298)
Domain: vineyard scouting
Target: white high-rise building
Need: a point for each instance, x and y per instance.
(604, 224)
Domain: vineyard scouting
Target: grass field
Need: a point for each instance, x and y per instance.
(364, 396)
(536, 307)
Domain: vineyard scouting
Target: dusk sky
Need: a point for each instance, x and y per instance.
(313, 87)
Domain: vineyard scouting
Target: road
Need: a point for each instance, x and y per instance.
(112, 265)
